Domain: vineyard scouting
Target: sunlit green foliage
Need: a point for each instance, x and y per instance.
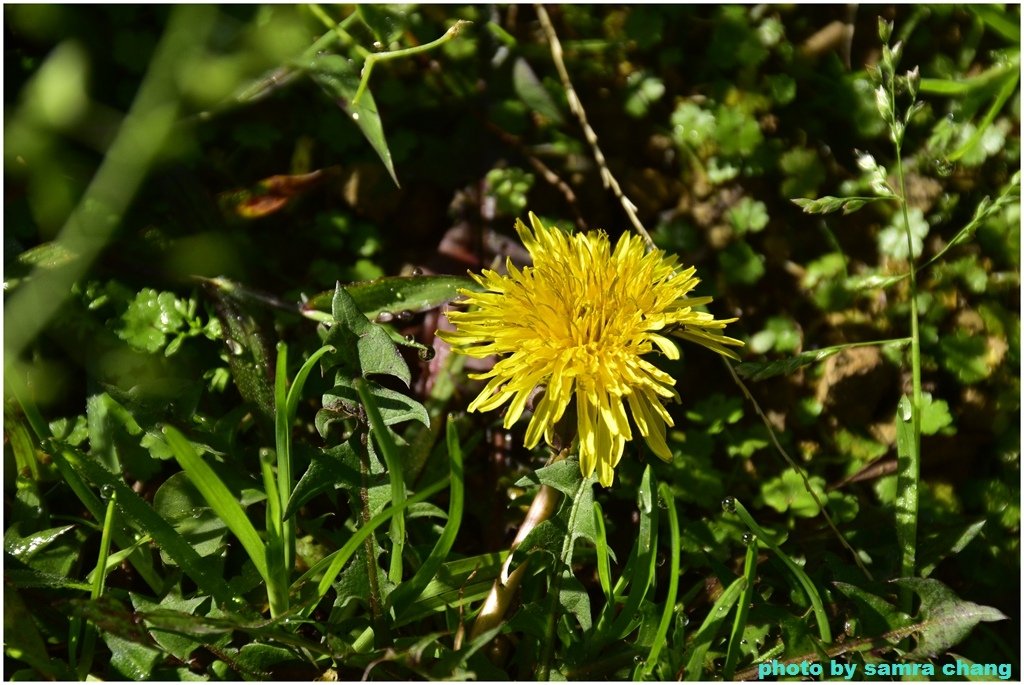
(234, 448)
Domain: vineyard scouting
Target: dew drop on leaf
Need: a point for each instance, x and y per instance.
(729, 504)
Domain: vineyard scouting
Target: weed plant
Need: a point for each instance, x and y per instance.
(238, 446)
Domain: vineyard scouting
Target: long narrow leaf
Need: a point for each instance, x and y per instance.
(673, 580)
(220, 499)
(805, 582)
(906, 492)
(332, 564)
(147, 521)
(705, 635)
(407, 592)
(739, 624)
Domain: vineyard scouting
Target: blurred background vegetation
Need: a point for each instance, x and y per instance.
(148, 149)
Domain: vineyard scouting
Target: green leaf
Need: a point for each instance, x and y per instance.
(892, 240)
(150, 318)
(876, 616)
(456, 583)
(705, 635)
(740, 264)
(936, 545)
(532, 92)
(178, 645)
(257, 659)
(748, 216)
(339, 79)
(248, 353)
(219, 498)
(965, 355)
(362, 348)
(945, 618)
(23, 642)
(114, 438)
(386, 22)
(935, 415)
(131, 659)
(396, 294)
(343, 400)
(692, 126)
(24, 548)
(408, 591)
(573, 598)
(563, 476)
(788, 493)
(180, 504)
(329, 468)
(908, 461)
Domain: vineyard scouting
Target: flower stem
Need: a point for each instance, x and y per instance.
(506, 584)
(910, 472)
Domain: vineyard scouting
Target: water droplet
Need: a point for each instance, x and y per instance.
(107, 491)
(428, 353)
(944, 167)
(743, 641)
(749, 538)
(662, 558)
(729, 504)
(638, 659)
(235, 346)
(377, 45)
(399, 295)
(410, 337)
(417, 271)
(662, 504)
(385, 317)
(355, 116)
(404, 315)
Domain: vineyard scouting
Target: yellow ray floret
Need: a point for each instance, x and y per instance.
(580, 322)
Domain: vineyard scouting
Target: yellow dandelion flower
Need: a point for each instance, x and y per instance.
(580, 322)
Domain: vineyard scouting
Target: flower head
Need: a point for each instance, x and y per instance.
(580, 322)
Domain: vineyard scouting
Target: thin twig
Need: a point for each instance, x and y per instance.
(576, 106)
(544, 170)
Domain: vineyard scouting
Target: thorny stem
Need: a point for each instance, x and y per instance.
(577, 109)
(505, 585)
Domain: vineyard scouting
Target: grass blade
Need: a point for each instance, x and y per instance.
(673, 581)
(332, 564)
(382, 434)
(705, 635)
(220, 499)
(908, 461)
(604, 569)
(740, 622)
(805, 582)
(145, 520)
(409, 591)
